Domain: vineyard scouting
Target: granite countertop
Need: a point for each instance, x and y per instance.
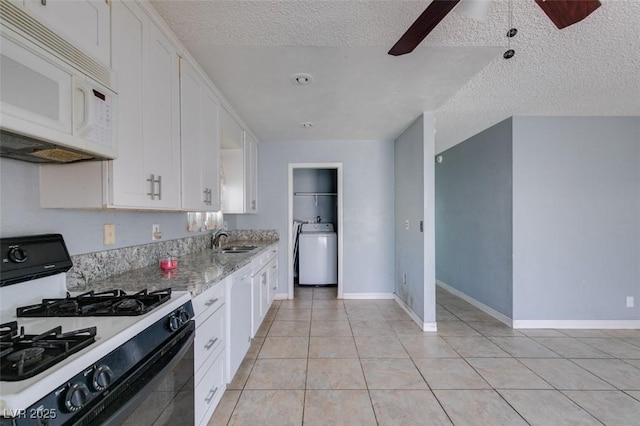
(196, 271)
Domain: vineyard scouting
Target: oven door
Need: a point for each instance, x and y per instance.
(158, 392)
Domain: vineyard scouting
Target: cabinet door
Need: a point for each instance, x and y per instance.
(162, 121)
(250, 174)
(264, 293)
(130, 25)
(232, 154)
(147, 172)
(239, 324)
(84, 23)
(200, 142)
(273, 279)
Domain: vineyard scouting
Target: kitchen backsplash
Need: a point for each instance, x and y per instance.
(99, 265)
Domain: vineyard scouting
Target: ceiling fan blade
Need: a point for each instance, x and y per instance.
(432, 15)
(567, 12)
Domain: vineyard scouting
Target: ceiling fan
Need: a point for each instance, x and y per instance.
(561, 12)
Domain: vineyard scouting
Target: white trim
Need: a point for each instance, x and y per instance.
(281, 296)
(577, 324)
(338, 168)
(486, 309)
(424, 326)
(367, 296)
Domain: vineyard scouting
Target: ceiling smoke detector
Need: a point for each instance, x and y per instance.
(301, 79)
(306, 124)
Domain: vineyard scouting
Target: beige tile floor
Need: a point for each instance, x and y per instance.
(318, 360)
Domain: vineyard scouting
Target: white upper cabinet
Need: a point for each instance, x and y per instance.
(250, 174)
(240, 167)
(200, 141)
(146, 174)
(84, 23)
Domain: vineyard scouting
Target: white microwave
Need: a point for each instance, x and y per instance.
(51, 111)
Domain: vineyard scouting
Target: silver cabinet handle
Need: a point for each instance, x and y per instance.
(211, 302)
(43, 2)
(275, 288)
(212, 392)
(253, 204)
(210, 343)
(208, 196)
(153, 194)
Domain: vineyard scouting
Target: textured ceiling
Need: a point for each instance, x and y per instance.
(250, 48)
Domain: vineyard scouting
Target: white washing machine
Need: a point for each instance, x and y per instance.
(318, 254)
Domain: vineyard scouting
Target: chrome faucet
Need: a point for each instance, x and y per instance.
(215, 237)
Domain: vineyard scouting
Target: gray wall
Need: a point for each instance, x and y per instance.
(20, 214)
(576, 208)
(414, 202)
(308, 208)
(474, 217)
(368, 197)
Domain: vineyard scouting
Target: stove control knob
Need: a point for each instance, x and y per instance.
(77, 395)
(17, 254)
(174, 322)
(102, 377)
(184, 317)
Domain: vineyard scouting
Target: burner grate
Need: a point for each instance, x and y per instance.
(24, 356)
(107, 303)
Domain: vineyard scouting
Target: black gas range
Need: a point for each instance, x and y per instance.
(85, 358)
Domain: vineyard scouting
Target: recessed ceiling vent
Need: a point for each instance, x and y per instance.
(301, 79)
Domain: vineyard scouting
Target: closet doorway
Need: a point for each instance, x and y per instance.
(315, 196)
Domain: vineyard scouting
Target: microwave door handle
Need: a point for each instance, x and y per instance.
(87, 109)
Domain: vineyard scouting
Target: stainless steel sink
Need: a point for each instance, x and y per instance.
(237, 249)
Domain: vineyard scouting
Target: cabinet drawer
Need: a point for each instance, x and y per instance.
(208, 302)
(209, 339)
(208, 392)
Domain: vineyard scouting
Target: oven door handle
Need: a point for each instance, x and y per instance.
(151, 376)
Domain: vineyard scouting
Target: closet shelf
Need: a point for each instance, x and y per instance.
(302, 194)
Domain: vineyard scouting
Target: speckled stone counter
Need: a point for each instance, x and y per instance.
(195, 272)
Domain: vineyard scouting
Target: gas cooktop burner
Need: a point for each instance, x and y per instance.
(106, 303)
(23, 356)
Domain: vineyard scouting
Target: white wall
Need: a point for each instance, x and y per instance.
(20, 214)
(576, 218)
(415, 202)
(368, 206)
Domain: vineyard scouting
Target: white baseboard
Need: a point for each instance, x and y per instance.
(578, 324)
(424, 326)
(367, 295)
(486, 309)
(558, 324)
(281, 296)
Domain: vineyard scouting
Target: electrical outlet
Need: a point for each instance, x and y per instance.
(630, 302)
(404, 279)
(155, 232)
(109, 234)
(406, 225)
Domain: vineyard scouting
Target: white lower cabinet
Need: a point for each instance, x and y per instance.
(208, 352)
(209, 391)
(272, 283)
(238, 327)
(261, 295)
